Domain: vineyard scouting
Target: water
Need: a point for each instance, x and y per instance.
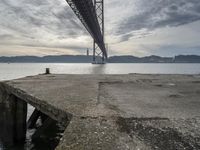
(18, 70)
(12, 71)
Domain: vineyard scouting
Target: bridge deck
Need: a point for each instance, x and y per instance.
(117, 111)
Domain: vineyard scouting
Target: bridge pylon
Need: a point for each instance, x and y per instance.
(97, 53)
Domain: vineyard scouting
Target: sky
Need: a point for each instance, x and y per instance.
(132, 27)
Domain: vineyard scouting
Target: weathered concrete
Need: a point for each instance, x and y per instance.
(117, 111)
(13, 118)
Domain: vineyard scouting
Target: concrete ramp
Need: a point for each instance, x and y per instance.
(117, 111)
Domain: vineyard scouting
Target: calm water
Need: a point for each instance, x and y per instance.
(13, 71)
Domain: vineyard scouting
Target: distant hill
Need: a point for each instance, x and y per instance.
(133, 59)
(187, 59)
(123, 59)
(48, 59)
(112, 59)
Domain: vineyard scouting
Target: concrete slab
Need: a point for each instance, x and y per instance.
(117, 111)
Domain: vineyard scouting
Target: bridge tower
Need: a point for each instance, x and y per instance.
(91, 14)
(99, 8)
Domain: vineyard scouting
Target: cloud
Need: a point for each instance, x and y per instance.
(156, 14)
(37, 51)
(39, 25)
(53, 15)
(25, 20)
(172, 50)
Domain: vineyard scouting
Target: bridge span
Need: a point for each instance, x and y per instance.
(91, 14)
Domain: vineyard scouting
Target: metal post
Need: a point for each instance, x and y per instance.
(47, 71)
(94, 52)
(103, 19)
(88, 52)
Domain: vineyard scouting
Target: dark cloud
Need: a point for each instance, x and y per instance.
(32, 17)
(160, 13)
(6, 36)
(135, 35)
(61, 46)
(126, 37)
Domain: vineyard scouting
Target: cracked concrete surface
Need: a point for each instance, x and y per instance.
(125, 112)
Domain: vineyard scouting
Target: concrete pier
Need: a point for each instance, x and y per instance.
(113, 112)
(13, 118)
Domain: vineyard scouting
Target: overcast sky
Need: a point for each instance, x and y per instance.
(133, 27)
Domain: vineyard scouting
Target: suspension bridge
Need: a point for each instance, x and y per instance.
(91, 14)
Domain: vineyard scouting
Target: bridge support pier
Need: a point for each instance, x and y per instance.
(98, 55)
(12, 118)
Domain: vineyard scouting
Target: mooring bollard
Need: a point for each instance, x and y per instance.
(47, 71)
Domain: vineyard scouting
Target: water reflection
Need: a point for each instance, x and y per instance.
(98, 69)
